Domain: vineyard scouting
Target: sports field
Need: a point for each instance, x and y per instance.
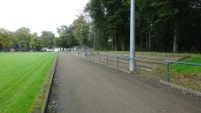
(22, 76)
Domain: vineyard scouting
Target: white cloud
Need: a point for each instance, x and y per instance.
(38, 15)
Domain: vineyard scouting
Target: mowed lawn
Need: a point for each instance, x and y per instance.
(22, 76)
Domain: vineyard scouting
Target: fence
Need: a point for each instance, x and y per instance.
(115, 60)
(177, 62)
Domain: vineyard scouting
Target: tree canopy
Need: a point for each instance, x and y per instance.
(22, 37)
(81, 30)
(35, 42)
(23, 40)
(47, 39)
(167, 25)
(66, 38)
(5, 38)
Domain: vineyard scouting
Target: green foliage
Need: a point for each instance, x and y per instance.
(35, 42)
(166, 21)
(81, 30)
(58, 42)
(168, 25)
(48, 39)
(23, 40)
(66, 38)
(22, 76)
(111, 22)
(5, 38)
(63, 40)
(22, 37)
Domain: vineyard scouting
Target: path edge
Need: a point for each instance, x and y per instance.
(182, 89)
(40, 104)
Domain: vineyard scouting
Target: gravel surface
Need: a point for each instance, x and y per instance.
(81, 86)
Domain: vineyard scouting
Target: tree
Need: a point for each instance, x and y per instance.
(63, 39)
(66, 38)
(160, 25)
(169, 10)
(111, 22)
(22, 36)
(72, 41)
(163, 20)
(35, 42)
(47, 39)
(97, 11)
(5, 38)
(58, 42)
(81, 30)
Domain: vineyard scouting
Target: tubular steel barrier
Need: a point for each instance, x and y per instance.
(110, 59)
(177, 62)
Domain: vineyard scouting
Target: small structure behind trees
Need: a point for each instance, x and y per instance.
(12, 50)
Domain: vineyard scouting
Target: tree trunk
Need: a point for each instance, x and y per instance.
(149, 40)
(199, 45)
(113, 42)
(175, 38)
(94, 45)
(123, 42)
(141, 40)
(116, 43)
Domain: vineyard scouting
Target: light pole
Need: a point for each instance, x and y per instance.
(133, 67)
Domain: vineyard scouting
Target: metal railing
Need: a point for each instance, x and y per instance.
(177, 62)
(118, 61)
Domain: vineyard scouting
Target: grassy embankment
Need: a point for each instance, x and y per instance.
(22, 76)
(184, 75)
(187, 75)
(179, 68)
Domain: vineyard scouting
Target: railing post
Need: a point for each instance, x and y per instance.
(167, 71)
(117, 61)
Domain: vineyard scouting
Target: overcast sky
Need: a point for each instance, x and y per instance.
(38, 15)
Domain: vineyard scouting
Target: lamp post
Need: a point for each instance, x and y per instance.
(133, 67)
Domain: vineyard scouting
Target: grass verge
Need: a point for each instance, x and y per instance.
(22, 76)
(187, 75)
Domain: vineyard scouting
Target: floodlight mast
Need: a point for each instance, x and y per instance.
(133, 68)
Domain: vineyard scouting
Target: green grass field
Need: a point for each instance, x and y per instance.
(22, 76)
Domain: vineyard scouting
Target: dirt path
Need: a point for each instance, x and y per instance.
(81, 86)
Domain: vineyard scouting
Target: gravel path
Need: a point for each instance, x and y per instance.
(81, 86)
